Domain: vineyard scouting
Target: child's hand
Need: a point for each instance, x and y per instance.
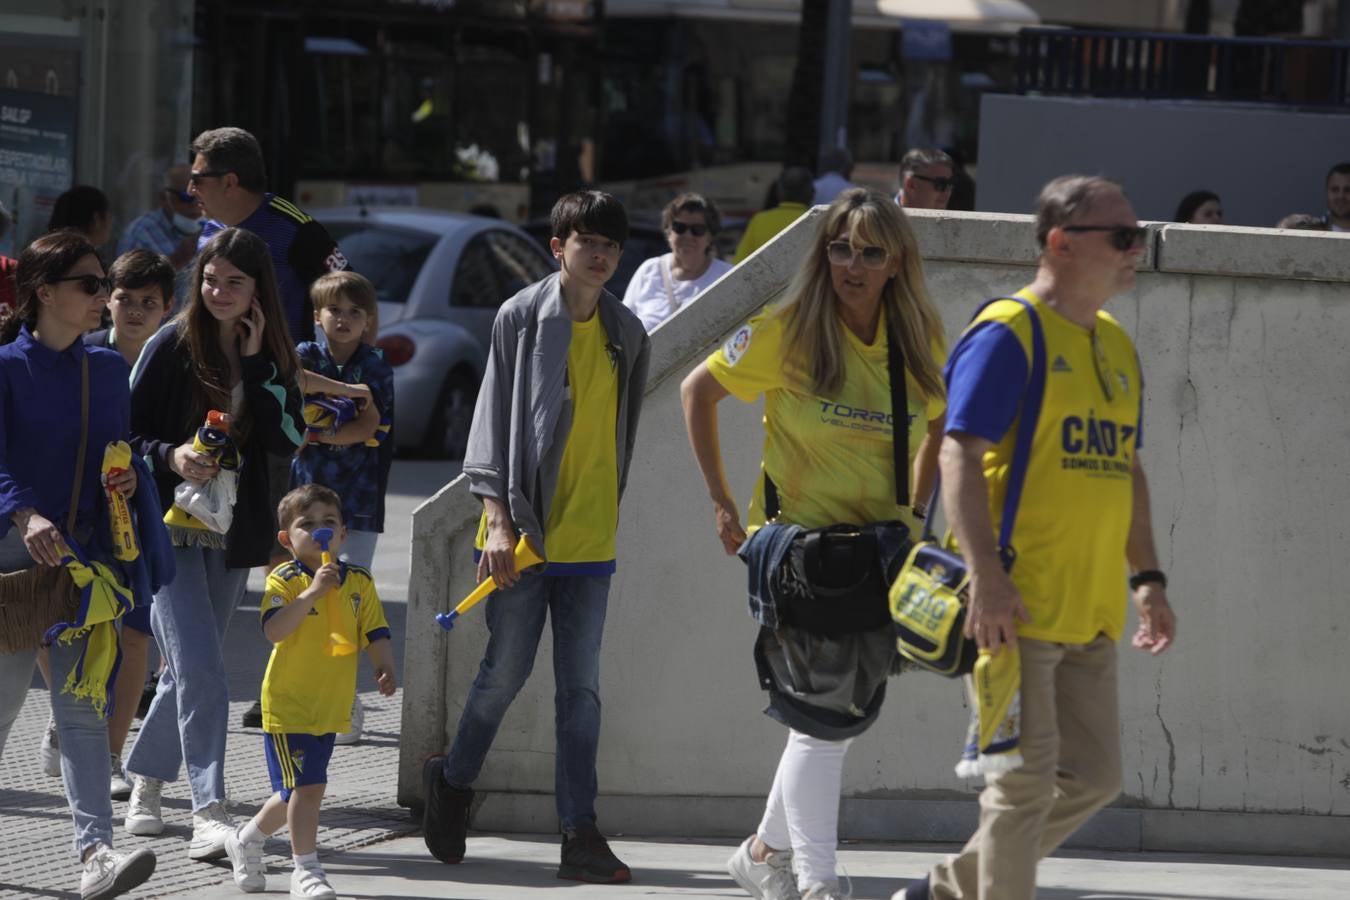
(327, 578)
(385, 680)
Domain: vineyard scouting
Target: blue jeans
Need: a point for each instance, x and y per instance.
(515, 618)
(81, 732)
(188, 718)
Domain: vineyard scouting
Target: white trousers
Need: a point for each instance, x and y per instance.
(803, 807)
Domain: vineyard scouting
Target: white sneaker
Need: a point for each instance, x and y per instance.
(107, 874)
(247, 860)
(143, 814)
(119, 787)
(211, 825)
(308, 884)
(358, 722)
(49, 754)
(768, 880)
(826, 890)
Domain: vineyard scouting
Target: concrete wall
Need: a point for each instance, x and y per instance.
(1236, 740)
(1264, 162)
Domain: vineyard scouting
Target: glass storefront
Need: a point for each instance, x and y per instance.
(93, 93)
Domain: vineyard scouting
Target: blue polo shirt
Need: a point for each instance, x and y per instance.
(40, 425)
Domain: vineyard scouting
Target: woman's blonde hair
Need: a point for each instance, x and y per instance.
(813, 331)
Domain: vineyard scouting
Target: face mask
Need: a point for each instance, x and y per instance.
(186, 225)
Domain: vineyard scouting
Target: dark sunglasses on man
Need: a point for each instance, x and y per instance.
(182, 196)
(942, 184)
(1122, 237)
(90, 284)
(695, 230)
(198, 177)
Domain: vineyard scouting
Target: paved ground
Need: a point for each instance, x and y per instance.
(35, 828)
(364, 836)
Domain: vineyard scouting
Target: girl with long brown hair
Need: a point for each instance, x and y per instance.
(228, 350)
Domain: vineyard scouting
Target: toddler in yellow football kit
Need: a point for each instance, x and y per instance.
(317, 611)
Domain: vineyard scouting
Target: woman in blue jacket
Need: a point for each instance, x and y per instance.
(61, 292)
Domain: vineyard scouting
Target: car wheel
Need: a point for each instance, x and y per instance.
(448, 431)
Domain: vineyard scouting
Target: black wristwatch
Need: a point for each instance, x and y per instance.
(1147, 576)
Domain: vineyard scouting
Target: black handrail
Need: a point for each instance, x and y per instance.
(1183, 66)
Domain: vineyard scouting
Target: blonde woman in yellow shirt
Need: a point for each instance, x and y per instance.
(821, 361)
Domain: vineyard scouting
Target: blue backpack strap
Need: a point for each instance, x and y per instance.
(1026, 431)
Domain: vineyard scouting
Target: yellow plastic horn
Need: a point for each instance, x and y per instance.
(116, 459)
(525, 556)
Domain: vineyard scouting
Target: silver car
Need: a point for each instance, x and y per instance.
(440, 277)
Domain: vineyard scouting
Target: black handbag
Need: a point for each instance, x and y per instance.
(833, 580)
(928, 597)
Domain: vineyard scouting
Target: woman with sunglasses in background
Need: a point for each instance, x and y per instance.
(228, 350)
(819, 358)
(43, 362)
(665, 284)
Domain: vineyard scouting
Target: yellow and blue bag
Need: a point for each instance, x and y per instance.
(928, 596)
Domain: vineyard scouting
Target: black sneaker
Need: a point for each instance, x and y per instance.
(252, 717)
(445, 813)
(147, 695)
(586, 857)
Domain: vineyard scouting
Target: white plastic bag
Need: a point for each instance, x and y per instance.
(212, 503)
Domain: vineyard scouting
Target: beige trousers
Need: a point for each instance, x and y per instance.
(1071, 768)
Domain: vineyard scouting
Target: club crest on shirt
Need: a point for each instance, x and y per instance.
(1124, 381)
(276, 601)
(735, 348)
(612, 350)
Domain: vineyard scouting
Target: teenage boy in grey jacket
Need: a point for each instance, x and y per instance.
(548, 452)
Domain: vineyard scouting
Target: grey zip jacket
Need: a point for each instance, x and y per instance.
(524, 410)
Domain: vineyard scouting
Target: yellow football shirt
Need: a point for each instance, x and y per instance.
(306, 689)
(1073, 520)
(584, 515)
(831, 459)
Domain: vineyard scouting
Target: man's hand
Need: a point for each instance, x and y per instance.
(994, 609)
(499, 556)
(385, 681)
(729, 530)
(1157, 622)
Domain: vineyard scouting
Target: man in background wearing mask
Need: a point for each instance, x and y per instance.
(171, 229)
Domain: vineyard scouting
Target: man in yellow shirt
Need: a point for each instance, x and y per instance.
(795, 192)
(1084, 514)
(549, 452)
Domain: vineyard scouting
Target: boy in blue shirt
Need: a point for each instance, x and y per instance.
(310, 609)
(353, 459)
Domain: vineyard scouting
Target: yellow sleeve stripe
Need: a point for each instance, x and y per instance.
(286, 207)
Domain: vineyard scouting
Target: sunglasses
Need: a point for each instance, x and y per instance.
(695, 230)
(198, 177)
(942, 184)
(842, 253)
(184, 196)
(1123, 237)
(90, 284)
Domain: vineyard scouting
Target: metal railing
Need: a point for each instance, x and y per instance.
(1183, 66)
